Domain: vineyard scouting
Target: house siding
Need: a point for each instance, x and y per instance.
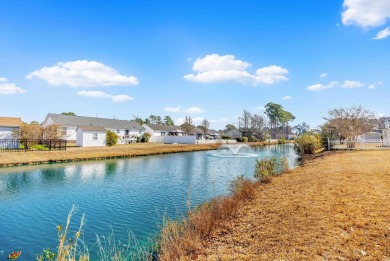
(85, 139)
(6, 132)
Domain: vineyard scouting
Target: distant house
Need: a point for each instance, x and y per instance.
(8, 126)
(90, 136)
(127, 131)
(211, 134)
(234, 134)
(162, 130)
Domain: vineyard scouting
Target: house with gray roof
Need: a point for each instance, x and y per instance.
(127, 131)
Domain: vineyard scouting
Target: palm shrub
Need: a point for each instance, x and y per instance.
(111, 138)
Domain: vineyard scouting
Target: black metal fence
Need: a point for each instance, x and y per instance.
(13, 145)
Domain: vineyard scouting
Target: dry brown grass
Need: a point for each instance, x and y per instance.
(77, 154)
(180, 240)
(334, 208)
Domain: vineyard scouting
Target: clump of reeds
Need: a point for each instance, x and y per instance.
(180, 239)
(111, 249)
(70, 248)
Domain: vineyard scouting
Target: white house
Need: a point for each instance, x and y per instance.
(127, 131)
(90, 136)
(8, 126)
(211, 134)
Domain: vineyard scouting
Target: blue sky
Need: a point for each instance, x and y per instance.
(206, 59)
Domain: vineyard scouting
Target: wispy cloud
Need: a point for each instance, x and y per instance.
(287, 98)
(226, 68)
(382, 34)
(9, 88)
(82, 73)
(321, 87)
(100, 94)
(323, 75)
(352, 84)
(374, 85)
(193, 110)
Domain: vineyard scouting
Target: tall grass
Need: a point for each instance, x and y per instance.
(70, 247)
(179, 239)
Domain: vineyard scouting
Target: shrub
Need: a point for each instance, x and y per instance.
(226, 137)
(111, 138)
(146, 137)
(38, 147)
(307, 144)
(270, 166)
(244, 139)
(282, 140)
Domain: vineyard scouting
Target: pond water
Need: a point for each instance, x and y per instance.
(118, 195)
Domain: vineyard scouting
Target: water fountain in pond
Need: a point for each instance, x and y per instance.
(234, 150)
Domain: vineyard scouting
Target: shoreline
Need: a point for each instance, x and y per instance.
(77, 154)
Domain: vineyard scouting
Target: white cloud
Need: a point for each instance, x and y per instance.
(100, 94)
(352, 84)
(225, 68)
(121, 98)
(373, 85)
(82, 73)
(382, 34)
(323, 75)
(321, 87)
(173, 109)
(194, 110)
(10, 88)
(366, 13)
(287, 98)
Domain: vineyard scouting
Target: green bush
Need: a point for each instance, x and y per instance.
(39, 147)
(111, 138)
(307, 143)
(146, 137)
(270, 166)
(244, 139)
(226, 137)
(282, 140)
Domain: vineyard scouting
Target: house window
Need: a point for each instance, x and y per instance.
(94, 136)
(118, 131)
(162, 133)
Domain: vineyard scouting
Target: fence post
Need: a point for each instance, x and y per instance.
(328, 144)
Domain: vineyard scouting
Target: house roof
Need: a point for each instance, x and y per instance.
(209, 131)
(10, 122)
(159, 127)
(91, 128)
(74, 121)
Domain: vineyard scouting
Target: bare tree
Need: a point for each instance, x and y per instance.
(349, 123)
(187, 126)
(204, 126)
(29, 131)
(52, 131)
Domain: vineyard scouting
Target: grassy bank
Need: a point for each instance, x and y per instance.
(98, 153)
(336, 207)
